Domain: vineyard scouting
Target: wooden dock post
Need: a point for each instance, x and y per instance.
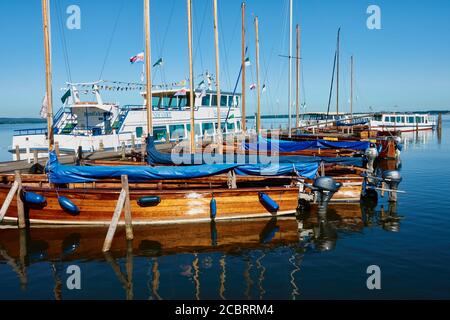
(133, 142)
(439, 123)
(35, 156)
(122, 151)
(143, 149)
(127, 208)
(17, 153)
(57, 148)
(20, 206)
(122, 202)
(101, 146)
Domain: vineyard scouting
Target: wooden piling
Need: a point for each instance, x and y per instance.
(439, 124)
(128, 219)
(17, 153)
(57, 148)
(133, 142)
(35, 156)
(123, 153)
(101, 146)
(143, 149)
(20, 206)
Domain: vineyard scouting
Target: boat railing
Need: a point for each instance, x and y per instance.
(30, 132)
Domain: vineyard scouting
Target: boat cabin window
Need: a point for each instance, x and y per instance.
(160, 133)
(238, 123)
(410, 119)
(392, 119)
(183, 102)
(401, 119)
(378, 117)
(237, 100)
(206, 100)
(223, 101)
(176, 131)
(230, 126)
(198, 129)
(139, 132)
(213, 100)
(208, 128)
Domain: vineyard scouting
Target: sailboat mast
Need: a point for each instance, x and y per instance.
(244, 120)
(216, 45)
(290, 70)
(258, 93)
(48, 73)
(148, 69)
(297, 82)
(337, 71)
(351, 87)
(191, 75)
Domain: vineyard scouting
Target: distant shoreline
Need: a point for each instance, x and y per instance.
(6, 120)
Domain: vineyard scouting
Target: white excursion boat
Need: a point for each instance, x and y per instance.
(107, 126)
(320, 119)
(403, 122)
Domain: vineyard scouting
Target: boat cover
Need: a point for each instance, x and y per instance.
(154, 157)
(292, 146)
(59, 174)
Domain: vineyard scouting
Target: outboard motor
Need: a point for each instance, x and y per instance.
(325, 188)
(371, 154)
(392, 178)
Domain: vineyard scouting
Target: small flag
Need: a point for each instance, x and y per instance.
(247, 62)
(201, 83)
(159, 62)
(66, 96)
(44, 107)
(137, 58)
(252, 86)
(181, 92)
(263, 88)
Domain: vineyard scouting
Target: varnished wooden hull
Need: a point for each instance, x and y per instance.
(179, 204)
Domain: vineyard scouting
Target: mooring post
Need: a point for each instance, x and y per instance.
(17, 153)
(128, 219)
(57, 148)
(101, 146)
(133, 142)
(143, 148)
(79, 155)
(439, 124)
(20, 206)
(35, 156)
(123, 153)
(114, 221)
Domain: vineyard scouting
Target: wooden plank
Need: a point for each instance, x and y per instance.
(114, 221)
(8, 200)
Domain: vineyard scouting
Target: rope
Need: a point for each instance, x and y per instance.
(63, 41)
(111, 39)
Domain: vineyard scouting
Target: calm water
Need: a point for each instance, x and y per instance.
(259, 259)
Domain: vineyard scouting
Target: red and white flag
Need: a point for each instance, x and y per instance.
(252, 86)
(138, 58)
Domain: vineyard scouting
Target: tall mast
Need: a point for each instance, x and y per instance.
(244, 124)
(191, 75)
(216, 45)
(351, 87)
(148, 69)
(337, 71)
(48, 73)
(290, 70)
(258, 94)
(297, 102)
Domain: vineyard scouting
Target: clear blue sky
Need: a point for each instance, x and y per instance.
(405, 65)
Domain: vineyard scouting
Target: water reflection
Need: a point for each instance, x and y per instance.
(223, 260)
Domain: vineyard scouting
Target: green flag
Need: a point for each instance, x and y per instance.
(159, 62)
(66, 96)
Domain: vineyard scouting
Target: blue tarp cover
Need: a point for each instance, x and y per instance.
(76, 174)
(154, 157)
(292, 146)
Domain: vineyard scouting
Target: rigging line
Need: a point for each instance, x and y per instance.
(302, 80)
(331, 86)
(111, 38)
(197, 49)
(167, 27)
(227, 65)
(63, 41)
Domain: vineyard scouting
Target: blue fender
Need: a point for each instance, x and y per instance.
(213, 208)
(268, 202)
(150, 201)
(68, 206)
(34, 199)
